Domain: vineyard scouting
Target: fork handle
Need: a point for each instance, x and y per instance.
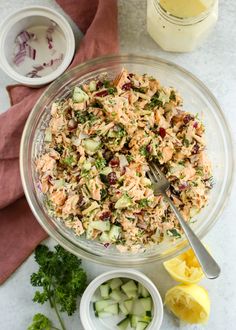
(209, 266)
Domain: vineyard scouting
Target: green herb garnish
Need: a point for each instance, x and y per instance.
(61, 279)
(68, 161)
(174, 233)
(143, 151)
(41, 322)
(100, 163)
(143, 202)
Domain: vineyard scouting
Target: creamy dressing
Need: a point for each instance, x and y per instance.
(178, 26)
(183, 8)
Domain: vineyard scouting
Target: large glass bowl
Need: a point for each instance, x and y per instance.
(197, 99)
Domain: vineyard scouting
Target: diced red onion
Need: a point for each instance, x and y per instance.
(183, 186)
(106, 245)
(23, 37)
(102, 93)
(30, 52)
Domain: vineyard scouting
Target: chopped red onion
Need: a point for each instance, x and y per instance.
(30, 52)
(49, 33)
(23, 37)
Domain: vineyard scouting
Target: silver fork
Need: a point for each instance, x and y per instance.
(160, 185)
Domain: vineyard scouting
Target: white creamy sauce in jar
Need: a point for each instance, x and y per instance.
(181, 26)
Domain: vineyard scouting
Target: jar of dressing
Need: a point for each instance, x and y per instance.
(181, 25)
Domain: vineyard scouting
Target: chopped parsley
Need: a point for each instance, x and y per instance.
(100, 163)
(143, 151)
(186, 142)
(85, 116)
(143, 202)
(174, 232)
(68, 161)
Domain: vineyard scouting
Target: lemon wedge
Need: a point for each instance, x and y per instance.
(190, 303)
(184, 268)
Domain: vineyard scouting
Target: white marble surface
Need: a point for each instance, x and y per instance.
(215, 64)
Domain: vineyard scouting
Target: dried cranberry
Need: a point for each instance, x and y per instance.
(106, 245)
(99, 85)
(162, 132)
(195, 148)
(115, 162)
(195, 125)
(102, 94)
(148, 148)
(105, 216)
(72, 124)
(112, 178)
(187, 119)
(127, 86)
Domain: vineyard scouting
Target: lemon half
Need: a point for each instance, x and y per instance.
(185, 268)
(189, 303)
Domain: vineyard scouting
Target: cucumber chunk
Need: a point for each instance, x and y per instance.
(101, 304)
(145, 292)
(112, 309)
(142, 291)
(132, 294)
(129, 305)
(101, 225)
(141, 325)
(116, 295)
(123, 325)
(103, 315)
(123, 202)
(138, 308)
(79, 95)
(104, 238)
(134, 320)
(130, 286)
(147, 303)
(114, 233)
(115, 283)
(91, 146)
(104, 290)
(123, 309)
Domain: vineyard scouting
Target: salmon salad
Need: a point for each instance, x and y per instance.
(93, 167)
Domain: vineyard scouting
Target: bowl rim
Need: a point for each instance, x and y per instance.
(69, 245)
(24, 14)
(132, 274)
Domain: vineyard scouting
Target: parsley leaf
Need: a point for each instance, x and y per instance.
(174, 232)
(40, 322)
(143, 202)
(143, 151)
(100, 163)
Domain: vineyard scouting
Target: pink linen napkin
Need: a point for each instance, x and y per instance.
(20, 232)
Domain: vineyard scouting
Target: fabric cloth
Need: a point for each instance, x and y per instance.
(20, 232)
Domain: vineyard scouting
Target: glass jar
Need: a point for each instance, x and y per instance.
(180, 34)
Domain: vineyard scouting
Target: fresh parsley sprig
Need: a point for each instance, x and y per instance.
(62, 280)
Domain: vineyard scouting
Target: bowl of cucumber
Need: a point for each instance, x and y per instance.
(123, 300)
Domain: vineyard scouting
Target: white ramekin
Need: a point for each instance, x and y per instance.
(17, 22)
(91, 322)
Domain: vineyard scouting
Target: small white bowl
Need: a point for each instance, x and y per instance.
(87, 315)
(23, 19)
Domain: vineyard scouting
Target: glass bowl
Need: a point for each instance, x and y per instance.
(197, 99)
